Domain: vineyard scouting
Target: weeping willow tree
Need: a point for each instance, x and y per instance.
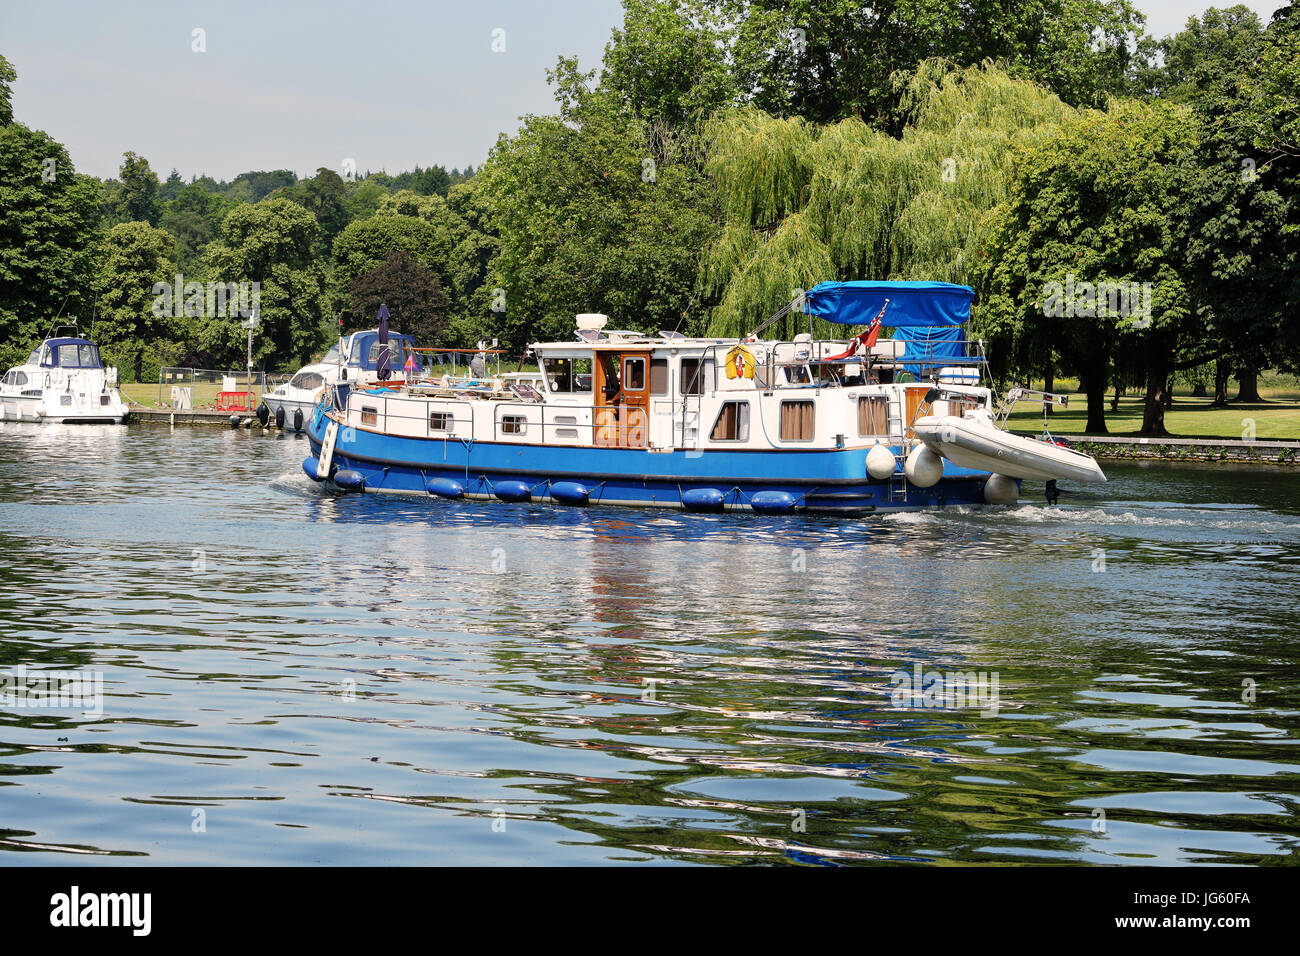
(804, 204)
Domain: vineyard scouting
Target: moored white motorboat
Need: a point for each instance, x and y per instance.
(292, 404)
(62, 381)
(973, 440)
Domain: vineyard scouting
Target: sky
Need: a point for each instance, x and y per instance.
(382, 84)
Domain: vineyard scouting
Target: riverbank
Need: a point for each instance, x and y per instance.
(1122, 447)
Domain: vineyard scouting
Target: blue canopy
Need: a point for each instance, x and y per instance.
(929, 349)
(911, 304)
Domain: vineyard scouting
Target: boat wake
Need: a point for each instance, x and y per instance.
(294, 482)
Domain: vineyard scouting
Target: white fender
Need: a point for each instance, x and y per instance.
(923, 467)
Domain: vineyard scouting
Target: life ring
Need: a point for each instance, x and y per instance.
(740, 362)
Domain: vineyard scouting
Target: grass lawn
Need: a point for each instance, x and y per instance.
(146, 394)
(1277, 419)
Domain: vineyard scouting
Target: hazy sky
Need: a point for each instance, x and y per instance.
(297, 85)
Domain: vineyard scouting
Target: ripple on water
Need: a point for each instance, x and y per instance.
(363, 680)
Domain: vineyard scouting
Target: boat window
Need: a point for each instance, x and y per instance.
(567, 374)
(20, 378)
(960, 406)
(696, 374)
(659, 376)
(309, 380)
(89, 356)
(440, 421)
(796, 421)
(797, 375)
(513, 424)
(873, 415)
(634, 374)
(34, 358)
(332, 356)
(68, 356)
(732, 423)
(369, 416)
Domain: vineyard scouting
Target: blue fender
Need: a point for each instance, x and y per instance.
(703, 499)
(309, 468)
(513, 491)
(570, 492)
(773, 502)
(445, 488)
(350, 480)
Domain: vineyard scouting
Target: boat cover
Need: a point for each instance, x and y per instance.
(928, 316)
(911, 304)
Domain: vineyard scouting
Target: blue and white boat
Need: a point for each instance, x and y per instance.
(700, 424)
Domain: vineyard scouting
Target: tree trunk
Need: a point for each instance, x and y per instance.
(1093, 382)
(139, 364)
(1114, 402)
(1156, 401)
(1049, 380)
(1199, 390)
(1248, 386)
(1221, 374)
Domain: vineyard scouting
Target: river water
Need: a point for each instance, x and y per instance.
(295, 678)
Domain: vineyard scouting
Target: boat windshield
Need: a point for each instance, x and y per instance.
(77, 355)
(331, 357)
(308, 380)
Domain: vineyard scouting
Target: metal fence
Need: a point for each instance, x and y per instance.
(183, 388)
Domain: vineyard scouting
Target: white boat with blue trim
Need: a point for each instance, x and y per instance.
(63, 380)
(704, 424)
(355, 358)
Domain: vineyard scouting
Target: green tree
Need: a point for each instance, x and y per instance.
(365, 245)
(826, 60)
(48, 216)
(194, 219)
(270, 243)
(668, 64)
(324, 195)
(433, 181)
(130, 259)
(590, 219)
(139, 194)
(804, 203)
(1236, 212)
(1102, 201)
(7, 75)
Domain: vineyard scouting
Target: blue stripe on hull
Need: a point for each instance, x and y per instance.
(818, 480)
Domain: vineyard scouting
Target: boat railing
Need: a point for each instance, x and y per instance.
(824, 355)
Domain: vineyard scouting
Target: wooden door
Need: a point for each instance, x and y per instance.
(634, 407)
(915, 399)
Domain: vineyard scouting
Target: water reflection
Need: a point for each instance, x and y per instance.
(408, 681)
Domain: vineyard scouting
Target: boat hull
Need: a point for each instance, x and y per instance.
(42, 410)
(823, 481)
